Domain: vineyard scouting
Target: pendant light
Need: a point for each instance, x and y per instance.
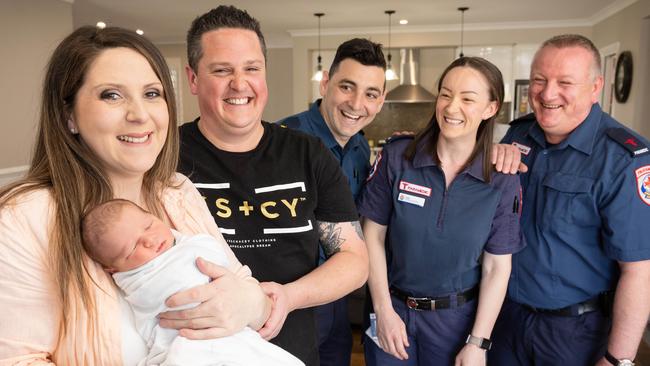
(462, 10)
(390, 73)
(318, 75)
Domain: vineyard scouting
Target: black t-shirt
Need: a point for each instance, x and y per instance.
(266, 202)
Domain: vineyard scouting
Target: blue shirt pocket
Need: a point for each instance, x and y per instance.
(568, 200)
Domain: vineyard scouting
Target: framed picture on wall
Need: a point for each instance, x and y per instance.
(520, 102)
(504, 114)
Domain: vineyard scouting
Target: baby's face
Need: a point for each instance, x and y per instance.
(135, 239)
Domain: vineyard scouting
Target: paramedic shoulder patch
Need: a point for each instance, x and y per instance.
(630, 142)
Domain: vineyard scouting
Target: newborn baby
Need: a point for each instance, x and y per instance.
(151, 262)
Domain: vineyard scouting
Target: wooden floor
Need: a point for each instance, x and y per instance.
(643, 357)
(357, 349)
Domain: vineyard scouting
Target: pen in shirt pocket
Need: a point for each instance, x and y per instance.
(516, 203)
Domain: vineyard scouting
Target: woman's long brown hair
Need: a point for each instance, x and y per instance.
(64, 165)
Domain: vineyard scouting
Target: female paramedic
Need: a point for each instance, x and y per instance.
(441, 226)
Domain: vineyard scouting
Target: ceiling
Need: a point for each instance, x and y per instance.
(166, 21)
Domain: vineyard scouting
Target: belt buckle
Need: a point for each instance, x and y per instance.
(586, 307)
(412, 302)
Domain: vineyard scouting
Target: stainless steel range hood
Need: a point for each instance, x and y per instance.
(409, 91)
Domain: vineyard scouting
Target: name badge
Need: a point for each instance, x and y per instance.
(522, 148)
(414, 188)
(414, 200)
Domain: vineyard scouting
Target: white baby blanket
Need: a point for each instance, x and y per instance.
(147, 287)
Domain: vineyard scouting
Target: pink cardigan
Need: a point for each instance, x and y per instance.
(29, 309)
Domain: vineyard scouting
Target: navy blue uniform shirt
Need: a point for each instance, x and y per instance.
(586, 206)
(436, 235)
(354, 157)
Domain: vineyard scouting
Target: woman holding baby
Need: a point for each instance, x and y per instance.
(107, 130)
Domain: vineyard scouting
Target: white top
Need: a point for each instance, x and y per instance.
(134, 348)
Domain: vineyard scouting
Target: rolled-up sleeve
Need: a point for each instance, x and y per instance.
(505, 234)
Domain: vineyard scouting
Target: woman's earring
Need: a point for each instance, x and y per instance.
(72, 127)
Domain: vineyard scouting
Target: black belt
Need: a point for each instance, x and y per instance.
(435, 303)
(594, 304)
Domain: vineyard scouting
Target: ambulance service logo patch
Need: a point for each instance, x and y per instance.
(643, 183)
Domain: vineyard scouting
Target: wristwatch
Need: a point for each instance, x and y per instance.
(483, 343)
(616, 362)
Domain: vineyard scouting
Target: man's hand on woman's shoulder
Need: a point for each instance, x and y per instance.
(507, 159)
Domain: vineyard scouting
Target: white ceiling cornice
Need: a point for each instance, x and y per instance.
(278, 44)
(443, 28)
(596, 18)
(286, 20)
(610, 10)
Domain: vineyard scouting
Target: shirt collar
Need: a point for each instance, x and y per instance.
(422, 156)
(316, 120)
(423, 159)
(581, 139)
(475, 169)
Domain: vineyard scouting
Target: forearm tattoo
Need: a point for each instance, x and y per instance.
(330, 237)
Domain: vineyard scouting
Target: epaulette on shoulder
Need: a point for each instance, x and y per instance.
(631, 143)
(399, 137)
(291, 122)
(527, 118)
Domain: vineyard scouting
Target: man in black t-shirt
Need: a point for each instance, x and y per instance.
(273, 192)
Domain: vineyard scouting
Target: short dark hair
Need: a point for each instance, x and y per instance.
(96, 222)
(362, 50)
(494, 79)
(575, 40)
(222, 16)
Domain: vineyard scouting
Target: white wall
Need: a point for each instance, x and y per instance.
(29, 32)
(279, 80)
(628, 27)
(8, 175)
(642, 109)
